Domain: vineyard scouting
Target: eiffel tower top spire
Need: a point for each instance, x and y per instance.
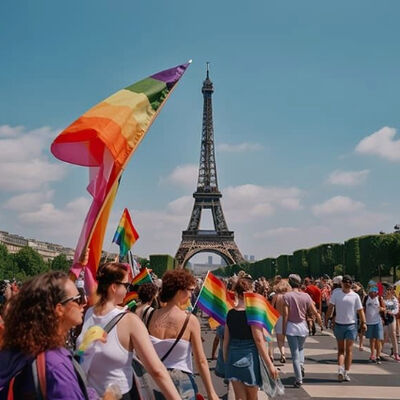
(207, 181)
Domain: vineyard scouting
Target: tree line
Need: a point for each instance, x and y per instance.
(361, 257)
(28, 262)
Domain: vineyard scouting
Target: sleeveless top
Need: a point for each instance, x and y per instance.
(179, 358)
(109, 362)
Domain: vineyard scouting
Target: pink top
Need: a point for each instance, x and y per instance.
(298, 303)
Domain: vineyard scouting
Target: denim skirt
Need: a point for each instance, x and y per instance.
(243, 363)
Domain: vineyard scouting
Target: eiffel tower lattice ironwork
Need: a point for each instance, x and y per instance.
(207, 196)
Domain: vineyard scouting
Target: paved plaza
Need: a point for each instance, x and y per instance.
(368, 381)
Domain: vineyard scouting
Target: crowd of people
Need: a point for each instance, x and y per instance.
(46, 320)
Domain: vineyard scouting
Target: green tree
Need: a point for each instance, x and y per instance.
(60, 263)
(29, 261)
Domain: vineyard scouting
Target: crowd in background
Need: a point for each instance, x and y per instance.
(162, 337)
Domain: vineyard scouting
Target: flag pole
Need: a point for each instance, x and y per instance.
(89, 238)
(202, 287)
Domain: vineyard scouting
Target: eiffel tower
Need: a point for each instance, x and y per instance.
(207, 196)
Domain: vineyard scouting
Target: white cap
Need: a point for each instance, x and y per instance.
(337, 279)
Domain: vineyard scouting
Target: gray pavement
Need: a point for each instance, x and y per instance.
(368, 381)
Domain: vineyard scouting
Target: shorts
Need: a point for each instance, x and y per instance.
(345, 331)
(184, 383)
(243, 363)
(374, 331)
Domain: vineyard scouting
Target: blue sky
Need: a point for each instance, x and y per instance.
(306, 113)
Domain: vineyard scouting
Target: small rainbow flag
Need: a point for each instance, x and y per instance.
(125, 235)
(129, 297)
(142, 277)
(212, 298)
(260, 312)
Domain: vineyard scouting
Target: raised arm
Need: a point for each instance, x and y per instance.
(148, 356)
(200, 357)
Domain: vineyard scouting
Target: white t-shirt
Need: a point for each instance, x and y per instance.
(346, 305)
(372, 306)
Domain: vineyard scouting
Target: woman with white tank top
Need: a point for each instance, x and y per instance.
(111, 362)
(165, 326)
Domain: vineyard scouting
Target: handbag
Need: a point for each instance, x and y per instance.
(272, 387)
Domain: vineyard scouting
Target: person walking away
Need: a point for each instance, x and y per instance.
(111, 362)
(346, 304)
(279, 303)
(175, 333)
(243, 345)
(297, 304)
(147, 294)
(315, 294)
(392, 308)
(373, 308)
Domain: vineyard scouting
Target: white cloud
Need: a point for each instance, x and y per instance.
(23, 163)
(183, 175)
(337, 205)
(276, 232)
(7, 130)
(249, 202)
(239, 148)
(29, 201)
(56, 224)
(382, 144)
(348, 178)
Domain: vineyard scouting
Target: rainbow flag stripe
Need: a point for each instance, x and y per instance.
(125, 235)
(212, 298)
(119, 122)
(260, 312)
(130, 296)
(142, 277)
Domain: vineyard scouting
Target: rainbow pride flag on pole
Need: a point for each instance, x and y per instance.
(260, 312)
(104, 139)
(142, 277)
(212, 298)
(125, 235)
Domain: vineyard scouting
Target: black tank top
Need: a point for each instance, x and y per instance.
(237, 325)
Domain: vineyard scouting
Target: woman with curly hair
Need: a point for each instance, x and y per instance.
(176, 333)
(111, 362)
(243, 345)
(37, 320)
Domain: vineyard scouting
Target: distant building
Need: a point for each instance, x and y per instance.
(48, 251)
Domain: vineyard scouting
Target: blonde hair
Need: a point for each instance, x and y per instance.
(282, 286)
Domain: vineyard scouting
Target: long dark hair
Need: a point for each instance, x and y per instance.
(31, 325)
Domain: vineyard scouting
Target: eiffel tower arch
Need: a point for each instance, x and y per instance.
(220, 240)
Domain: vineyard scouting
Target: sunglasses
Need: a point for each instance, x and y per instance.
(346, 281)
(78, 299)
(126, 284)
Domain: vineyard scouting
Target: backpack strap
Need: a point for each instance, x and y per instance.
(39, 375)
(115, 321)
(180, 334)
(149, 318)
(10, 394)
(145, 312)
(80, 374)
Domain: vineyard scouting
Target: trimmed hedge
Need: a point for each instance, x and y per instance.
(160, 263)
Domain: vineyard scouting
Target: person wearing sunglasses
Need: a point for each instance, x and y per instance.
(111, 362)
(347, 305)
(37, 321)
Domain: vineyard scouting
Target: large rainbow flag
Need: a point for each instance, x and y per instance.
(212, 298)
(125, 235)
(260, 312)
(104, 139)
(142, 277)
